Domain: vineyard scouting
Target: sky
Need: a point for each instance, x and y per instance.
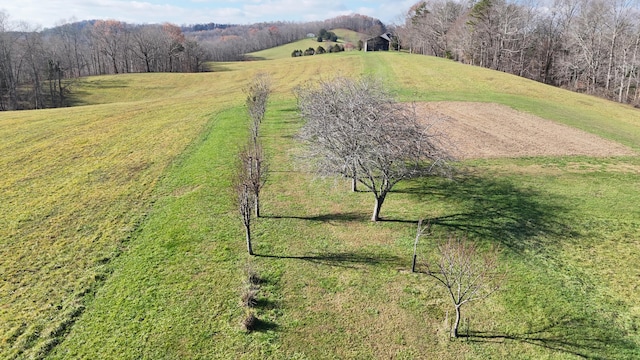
(49, 13)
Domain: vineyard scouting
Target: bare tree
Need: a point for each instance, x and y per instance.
(330, 125)
(10, 65)
(430, 25)
(244, 195)
(422, 230)
(146, 43)
(257, 93)
(257, 96)
(354, 128)
(465, 273)
(109, 38)
(254, 160)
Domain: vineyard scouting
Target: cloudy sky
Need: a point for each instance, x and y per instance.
(48, 13)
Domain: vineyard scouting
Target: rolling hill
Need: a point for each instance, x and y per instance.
(284, 51)
(120, 237)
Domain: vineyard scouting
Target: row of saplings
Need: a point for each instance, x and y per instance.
(355, 129)
(318, 51)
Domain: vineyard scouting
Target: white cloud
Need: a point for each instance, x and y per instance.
(48, 13)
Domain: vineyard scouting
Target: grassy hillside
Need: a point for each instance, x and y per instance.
(350, 36)
(120, 238)
(284, 51)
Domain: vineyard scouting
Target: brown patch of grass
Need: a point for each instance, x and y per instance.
(486, 130)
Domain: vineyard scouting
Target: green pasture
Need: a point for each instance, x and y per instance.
(119, 237)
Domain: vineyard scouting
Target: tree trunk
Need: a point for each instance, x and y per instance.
(115, 64)
(633, 61)
(415, 246)
(249, 247)
(376, 208)
(257, 205)
(354, 184)
(60, 89)
(611, 56)
(456, 324)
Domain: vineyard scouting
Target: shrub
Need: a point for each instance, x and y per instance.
(336, 48)
(252, 275)
(250, 287)
(327, 35)
(320, 50)
(249, 322)
(249, 296)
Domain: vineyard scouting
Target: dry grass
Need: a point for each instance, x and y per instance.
(486, 130)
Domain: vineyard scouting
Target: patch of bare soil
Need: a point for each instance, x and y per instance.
(486, 130)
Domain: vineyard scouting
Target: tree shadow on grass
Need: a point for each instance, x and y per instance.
(291, 109)
(264, 326)
(265, 303)
(253, 58)
(342, 259)
(326, 218)
(517, 217)
(584, 337)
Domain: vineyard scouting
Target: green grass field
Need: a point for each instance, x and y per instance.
(120, 239)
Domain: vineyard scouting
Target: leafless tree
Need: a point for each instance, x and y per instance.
(257, 168)
(430, 25)
(466, 274)
(257, 94)
(145, 45)
(244, 195)
(68, 46)
(421, 231)
(354, 128)
(109, 36)
(10, 65)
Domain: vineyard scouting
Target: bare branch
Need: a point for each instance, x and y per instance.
(354, 128)
(257, 93)
(466, 274)
(244, 195)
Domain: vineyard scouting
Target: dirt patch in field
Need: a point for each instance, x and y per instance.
(486, 130)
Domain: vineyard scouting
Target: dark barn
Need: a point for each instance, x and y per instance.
(378, 43)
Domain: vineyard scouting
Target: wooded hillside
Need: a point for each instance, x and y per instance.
(588, 46)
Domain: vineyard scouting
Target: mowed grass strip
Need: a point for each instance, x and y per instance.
(176, 288)
(78, 182)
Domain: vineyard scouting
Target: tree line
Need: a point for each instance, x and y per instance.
(35, 65)
(589, 46)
